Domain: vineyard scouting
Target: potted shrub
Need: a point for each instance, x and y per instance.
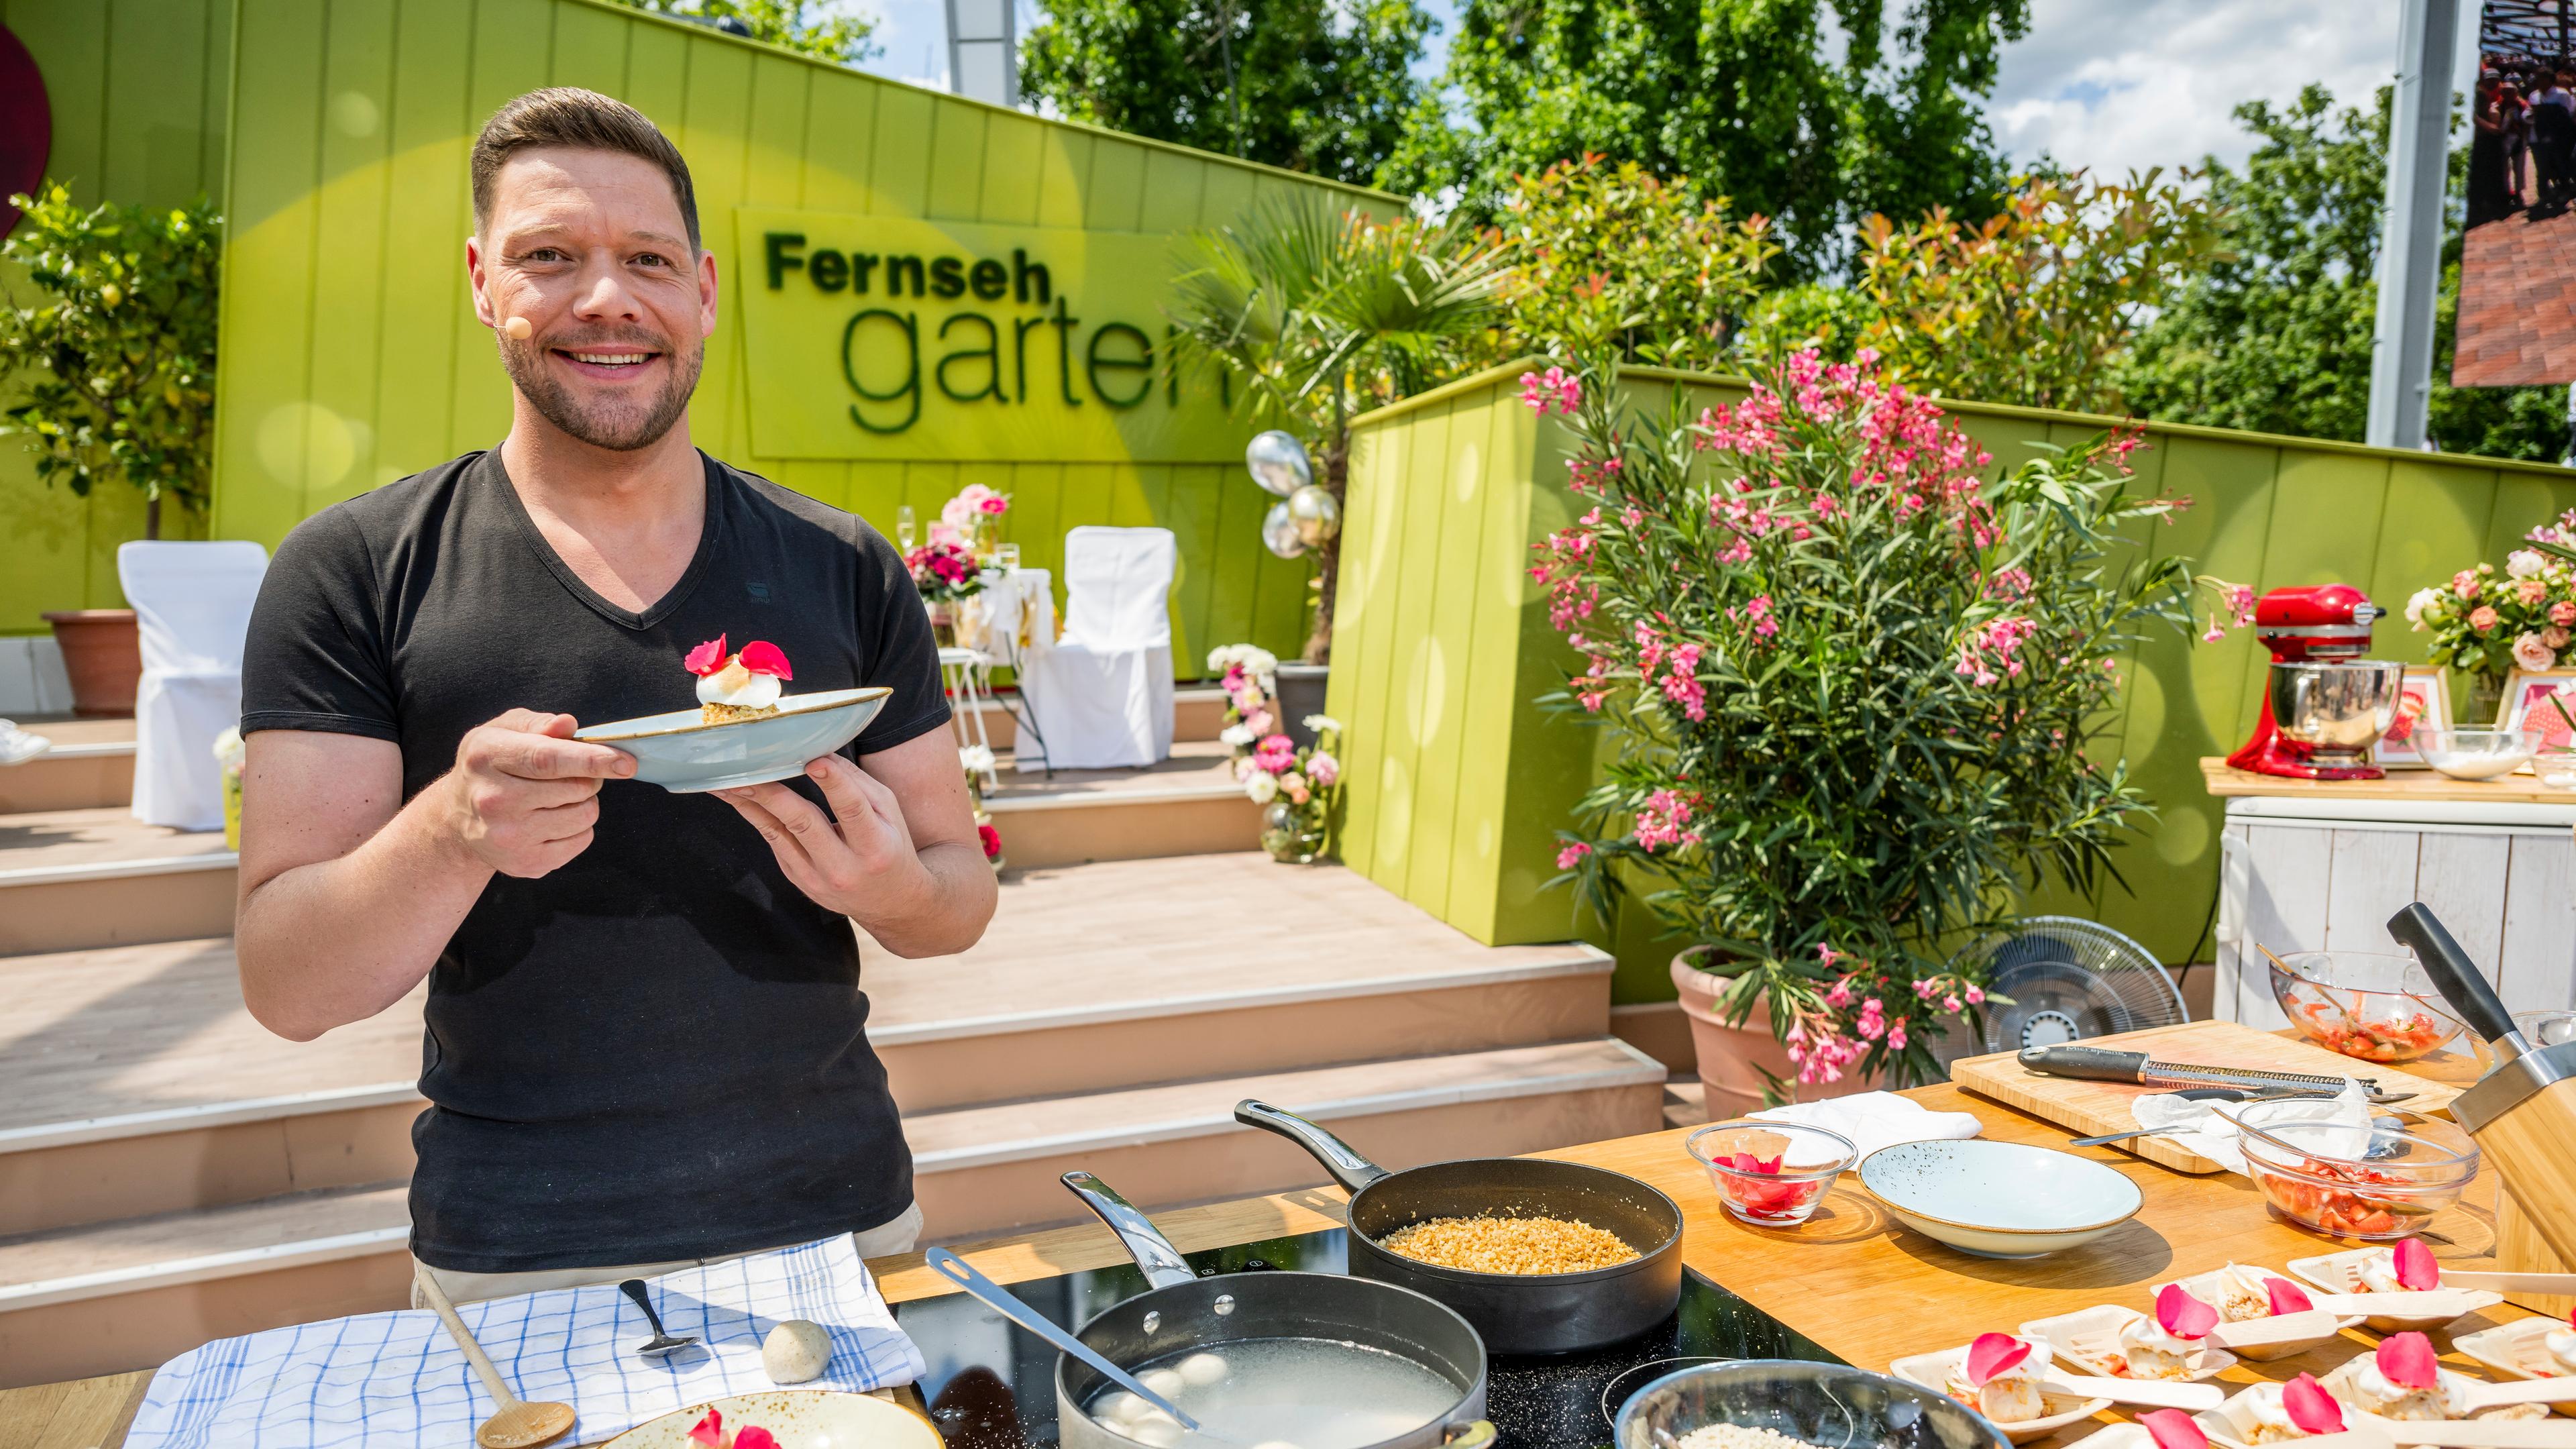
(113, 361)
(1851, 683)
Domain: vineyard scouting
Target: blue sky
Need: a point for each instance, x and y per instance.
(2153, 88)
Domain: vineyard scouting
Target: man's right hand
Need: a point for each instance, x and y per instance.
(524, 794)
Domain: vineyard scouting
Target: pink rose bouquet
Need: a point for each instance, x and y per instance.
(2487, 623)
(1297, 788)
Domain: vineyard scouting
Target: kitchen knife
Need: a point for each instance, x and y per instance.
(2457, 978)
(2102, 1064)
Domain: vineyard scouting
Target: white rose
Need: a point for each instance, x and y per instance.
(2523, 563)
(1262, 786)
(2415, 607)
(2531, 652)
(975, 759)
(1321, 722)
(1235, 735)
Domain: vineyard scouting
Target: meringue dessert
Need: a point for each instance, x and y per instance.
(2149, 1351)
(2293, 1410)
(738, 686)
(2407, 1266)
(2404, 1379)
(2558, 1350)
(2242, 1295)
(1999, 1378)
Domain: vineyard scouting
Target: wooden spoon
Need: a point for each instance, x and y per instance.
(2476, 1395)
(2150, 1393)
(518, 1424)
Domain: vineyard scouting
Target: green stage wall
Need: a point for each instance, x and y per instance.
(1458, 782)
(1026, 316)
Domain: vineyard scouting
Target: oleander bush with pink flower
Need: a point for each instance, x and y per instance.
(1856, 684)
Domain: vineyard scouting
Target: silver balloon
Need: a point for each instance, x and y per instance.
(1279, 531)
(1315, 514)
(1277, 462)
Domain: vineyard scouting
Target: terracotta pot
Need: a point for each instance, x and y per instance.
(1732, 1059)
(103, 654)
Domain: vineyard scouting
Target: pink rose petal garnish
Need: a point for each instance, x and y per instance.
(2173, 1429)
(1993, 1353)
(754, 1437)
(2415, 1266)
(2287, 1297)
(710, 1430)
(2407, 1358)
(2182, 1315)
(762, 657)
(2310, 1407)
(707, 658)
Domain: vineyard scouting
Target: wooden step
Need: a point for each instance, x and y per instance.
(108, 1297)
(134, 1082)
(91, 766)
(72, 879)
(1189, 804)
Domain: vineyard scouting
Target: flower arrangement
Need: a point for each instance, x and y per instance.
(2487, 624)
(1296, 787)
(965, 519)
(976, 761)
(944, 572)
(1851, 680)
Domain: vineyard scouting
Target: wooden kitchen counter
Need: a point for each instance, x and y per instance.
(2427, 786)
(1866, 1288)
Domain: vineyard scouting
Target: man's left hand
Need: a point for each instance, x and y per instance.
(859, 860)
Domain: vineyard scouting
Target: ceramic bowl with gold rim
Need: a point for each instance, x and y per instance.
(684, 754)
(796, 1418)
(2000, 1199)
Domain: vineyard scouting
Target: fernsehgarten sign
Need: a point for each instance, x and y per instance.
(876, 337)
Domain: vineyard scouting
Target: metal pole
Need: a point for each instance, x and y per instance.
(2410, 252)
(984, 50)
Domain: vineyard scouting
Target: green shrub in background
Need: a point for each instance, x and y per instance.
(1611, 256)
(115, 357)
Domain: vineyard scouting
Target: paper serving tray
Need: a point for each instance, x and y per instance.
(1932, 1371)
(2341, 1273)
(2089, 1338)
(2210, 1288)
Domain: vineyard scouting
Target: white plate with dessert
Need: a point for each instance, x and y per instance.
(2123, 1343)
(745, 729)
(2404, 1266)
(2528, 1348)
(2001, 1381)
(2243, 1293)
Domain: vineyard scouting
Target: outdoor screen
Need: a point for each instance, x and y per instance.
(2517, 324)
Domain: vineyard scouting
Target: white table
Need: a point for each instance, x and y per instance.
(1012, 619)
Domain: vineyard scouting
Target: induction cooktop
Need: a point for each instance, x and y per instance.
(991, 1386)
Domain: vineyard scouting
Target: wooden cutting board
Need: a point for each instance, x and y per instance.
(2090, 1109)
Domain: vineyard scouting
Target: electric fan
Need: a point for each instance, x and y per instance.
(2068, 979)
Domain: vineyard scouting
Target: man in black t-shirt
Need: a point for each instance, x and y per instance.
(646, 1042)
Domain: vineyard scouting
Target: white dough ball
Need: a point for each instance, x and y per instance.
(795, 1351)
(1201, 1369)
(1119, 1407)
(1166, 1382)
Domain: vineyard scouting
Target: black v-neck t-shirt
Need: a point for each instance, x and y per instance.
(658, 1050)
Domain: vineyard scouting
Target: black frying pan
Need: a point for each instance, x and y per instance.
(1515, 1313)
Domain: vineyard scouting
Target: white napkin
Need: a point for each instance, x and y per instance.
(2201, 1127)
(1871, 1120)
(385, 1379)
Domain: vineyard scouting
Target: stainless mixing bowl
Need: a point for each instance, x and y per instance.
(2340, 708)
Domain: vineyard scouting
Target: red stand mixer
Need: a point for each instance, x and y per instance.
(2323, 704)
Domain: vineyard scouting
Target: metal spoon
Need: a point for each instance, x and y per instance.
(517, 1424)
(1002, 1301)
(662, 1342)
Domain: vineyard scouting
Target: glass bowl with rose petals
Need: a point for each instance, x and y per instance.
(1771, 1174)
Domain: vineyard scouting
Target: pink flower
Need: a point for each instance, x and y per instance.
(2531, 592)
(1975, 994)
(1896, 1037)
(2563, 614)
(1323, 769)
(2531, 652)
(1840, 995)
(2556, 637)
(1660, 821)
(1571, 855)
(1756, 616)
(2482, 618)
(1552, 391)
(1950, 1004)
(2465, 584)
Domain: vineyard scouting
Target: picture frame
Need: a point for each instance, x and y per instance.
(2525, 688)
(2423, 699)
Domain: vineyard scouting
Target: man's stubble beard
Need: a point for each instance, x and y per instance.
(616, 429)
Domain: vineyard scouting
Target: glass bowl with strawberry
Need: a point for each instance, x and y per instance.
(1771, 1174)
(2365, 1004)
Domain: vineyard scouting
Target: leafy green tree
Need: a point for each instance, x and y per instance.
(1604, 255)
(2276, 336)
(116, 347)
(1743, 96)
(1319, 86)
(805, 26)
(1323, 314)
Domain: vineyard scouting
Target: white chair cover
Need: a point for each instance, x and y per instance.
(1102, 698)
(192, 605)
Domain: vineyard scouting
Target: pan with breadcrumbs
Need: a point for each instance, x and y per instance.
(1540, 1256)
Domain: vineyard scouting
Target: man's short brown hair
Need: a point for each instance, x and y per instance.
(571, 117)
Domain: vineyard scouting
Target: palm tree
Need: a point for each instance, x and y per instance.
(1326, 312)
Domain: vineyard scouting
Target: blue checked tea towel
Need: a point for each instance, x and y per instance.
(385, 1379)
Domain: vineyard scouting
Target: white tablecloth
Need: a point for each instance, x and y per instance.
(1013, 618)
(385, 1379)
